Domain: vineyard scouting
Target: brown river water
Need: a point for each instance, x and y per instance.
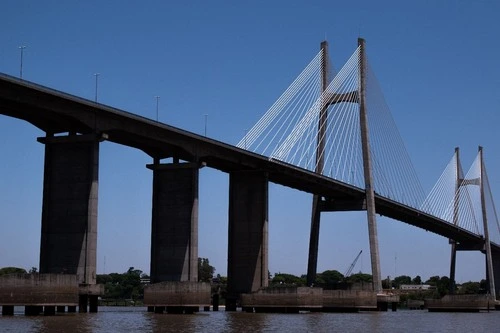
(137, 319)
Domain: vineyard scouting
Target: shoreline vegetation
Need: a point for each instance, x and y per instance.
(127, 289)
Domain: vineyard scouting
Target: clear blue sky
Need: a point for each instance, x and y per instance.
(437, 63)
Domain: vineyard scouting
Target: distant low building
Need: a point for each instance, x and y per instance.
(415, 287)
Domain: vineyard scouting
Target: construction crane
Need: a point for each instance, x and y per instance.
(349, 270)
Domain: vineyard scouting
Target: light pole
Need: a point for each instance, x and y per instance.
(22, 47)
(206, 117)
(96, 79)
(157, 102)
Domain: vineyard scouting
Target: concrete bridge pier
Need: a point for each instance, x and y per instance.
(453, 263)
(69, 208)
(33, 310)
(495, 256)
(174, 232)
(93, 303)
(174, 240)
(7, 310)
(83, 302)
(49, 310)
(247, 269)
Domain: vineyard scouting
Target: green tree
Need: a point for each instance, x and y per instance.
(205, 270)
(484, 286)
(433, 281)
(122, 286)
(442, 285)
(12, 270)
(417, 280)
(360, 277)
(470, 288)
(132, 284)
(399, 280)
(329, 279)
(103, 278)
(287, 280)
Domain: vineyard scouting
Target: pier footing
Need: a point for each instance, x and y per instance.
(38, 293)
(47, 294)
(387, 301)
(297, 299)
(349, 301)
(283, 300)
(177, 297)
(461, 303)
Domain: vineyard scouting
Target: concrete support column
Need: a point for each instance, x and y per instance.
(367, 168)
(320, 161)
(93, 303)
(32, 310)
(7, 310)
(174, 232)
(49, 310)
(458, 181)
(247, 269)
(215, 302)
(83, 301)
(495, 256)
(312, 263)
(489, 260)
(453, 261)
(69, 209)
(159, 309)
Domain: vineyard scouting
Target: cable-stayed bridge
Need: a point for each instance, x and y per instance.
(330, 134)
(339, 125)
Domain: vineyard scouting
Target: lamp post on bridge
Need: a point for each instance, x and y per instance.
(206, 119)
(157, 102)
(22, 47)
(96, 80)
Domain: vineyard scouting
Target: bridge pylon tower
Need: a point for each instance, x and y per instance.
(461, 181)
(316, 208)
(489, 260)
(368, 204)
(456, 200)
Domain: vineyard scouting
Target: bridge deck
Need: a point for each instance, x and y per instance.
(56, 112)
